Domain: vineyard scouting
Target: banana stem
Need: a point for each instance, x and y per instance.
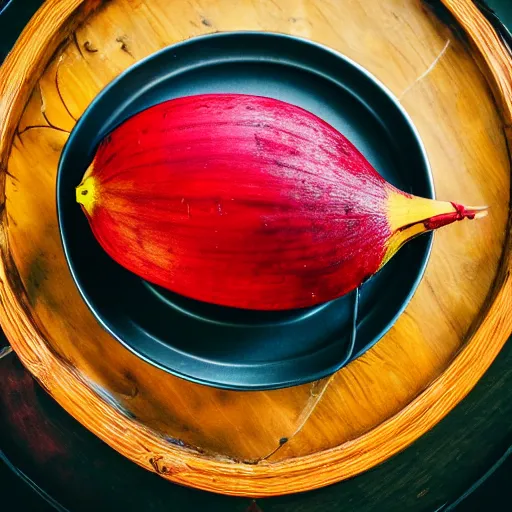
(461, 212)
(410, 217)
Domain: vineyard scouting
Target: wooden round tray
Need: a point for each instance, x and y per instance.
(289, 440)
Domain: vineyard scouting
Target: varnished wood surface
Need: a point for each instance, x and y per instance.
(81, 473)
(227, 441)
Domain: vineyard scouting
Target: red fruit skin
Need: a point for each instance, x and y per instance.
(241, 201)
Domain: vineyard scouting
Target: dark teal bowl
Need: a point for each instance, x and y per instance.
(231, 348)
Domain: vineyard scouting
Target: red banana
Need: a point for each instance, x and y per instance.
(248, 202)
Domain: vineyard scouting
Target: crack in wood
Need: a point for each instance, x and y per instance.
(10, 219)
(144, 447)
(4, 170)
(74, 37)
(28, 128)
(17, 134)
(57, 86)
(429, 70)
(50, 125)
(315, 397)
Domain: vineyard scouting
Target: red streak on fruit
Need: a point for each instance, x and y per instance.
(239, 200)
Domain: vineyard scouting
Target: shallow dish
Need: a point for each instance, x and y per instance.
(225, 347)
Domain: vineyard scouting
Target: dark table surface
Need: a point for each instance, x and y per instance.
(49, 461)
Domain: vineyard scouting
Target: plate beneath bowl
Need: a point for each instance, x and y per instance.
(226, 347)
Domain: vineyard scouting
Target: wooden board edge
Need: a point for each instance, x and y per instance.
(47, 29)
(492, 52)
(144, 447)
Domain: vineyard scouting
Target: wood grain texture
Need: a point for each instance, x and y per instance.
(258, 443)
(82, 473)
(490, 49)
